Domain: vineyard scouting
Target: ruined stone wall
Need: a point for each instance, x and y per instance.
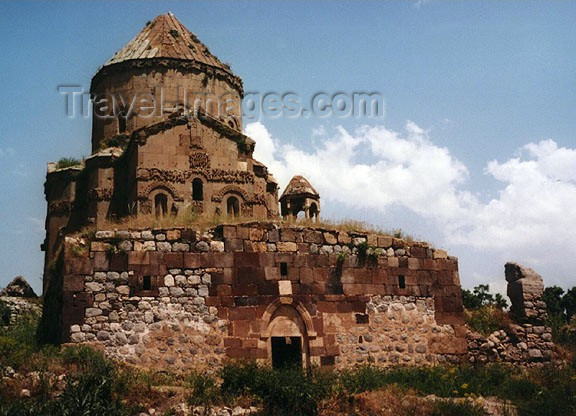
(526, 339)
(187, 299)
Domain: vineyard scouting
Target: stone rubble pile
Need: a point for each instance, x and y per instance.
(527, 340)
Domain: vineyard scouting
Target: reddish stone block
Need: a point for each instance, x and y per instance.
(73, 283)
(261, 353)
(78, 265)
(322, 260)
(445, 278)
(229, 231)
(188, 235)
(251, 343)
(268, 288)
(306, 275)
(293, 274)
(212, 300)
(267, 259)
(418, 252)
(247, 275)
(318, 325)
(138, 257)
(191, 260)
(373, 289)
(318, 288)
(317, 351)
(242, 259)
(243, 232)
(232, 342)
(235, 353)
(379, 276)
(246, 313)
(100, 262)
(424, 290)
(174, 260)
(223, 259)
(332, 350)
(222, 311)
(227, 301)
(284, 258)
(244, 290)
(303, 248)
(207, 260)
(156, 257)
(118, 262)
(320, 275)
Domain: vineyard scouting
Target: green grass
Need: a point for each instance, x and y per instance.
(67, 162)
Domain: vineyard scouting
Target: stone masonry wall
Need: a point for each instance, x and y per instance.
(526, 340)
(186, 298)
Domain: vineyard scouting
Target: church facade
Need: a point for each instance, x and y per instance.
(256, 287)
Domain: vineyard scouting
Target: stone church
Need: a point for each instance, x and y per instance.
(252, 287)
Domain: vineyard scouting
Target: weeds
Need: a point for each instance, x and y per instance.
(67, 162)
(486, 319)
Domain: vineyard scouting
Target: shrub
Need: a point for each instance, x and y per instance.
(204, 391)
(18, 342)
(288, 392)
(361, 379)
(487, 319)
(67, 162)
(5, 313)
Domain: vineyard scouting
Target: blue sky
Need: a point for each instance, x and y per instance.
(473, 90)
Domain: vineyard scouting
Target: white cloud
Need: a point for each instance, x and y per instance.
(405, 169)
(534, 212)
(531, 220)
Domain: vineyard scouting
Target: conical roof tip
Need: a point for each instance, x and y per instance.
(166, 37)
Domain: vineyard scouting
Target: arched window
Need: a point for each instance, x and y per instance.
(197, 190)
(121, 123)
(160, 205)
(233, 207)
(313, 211)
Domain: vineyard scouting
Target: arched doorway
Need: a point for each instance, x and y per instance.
(288, 345)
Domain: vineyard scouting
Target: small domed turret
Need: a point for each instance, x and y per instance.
(300, 196)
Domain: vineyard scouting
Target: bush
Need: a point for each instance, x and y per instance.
(288, 392)
(67, 162)
(18, 342)
(487, 319)
(93, 388)
(361, 379)
(5, 313)
(204, 391)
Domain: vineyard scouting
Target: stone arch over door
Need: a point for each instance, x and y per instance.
(287, 329)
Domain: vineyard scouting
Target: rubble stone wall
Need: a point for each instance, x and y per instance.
(187, 299)
(526, 340)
